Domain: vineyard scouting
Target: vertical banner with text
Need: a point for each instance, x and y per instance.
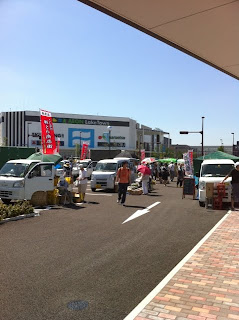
(142, 154)
(187, 164)
(190, 154)
(84, 151)
(47, 133)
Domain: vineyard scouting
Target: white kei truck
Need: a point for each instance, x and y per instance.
(20, 179)
(214, 171)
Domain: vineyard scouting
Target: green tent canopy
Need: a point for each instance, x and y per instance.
(56, 158)
(214, 155)
(167, 160)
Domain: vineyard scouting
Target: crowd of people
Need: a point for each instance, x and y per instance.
(67, 179)
(164, 172)
(147, 172)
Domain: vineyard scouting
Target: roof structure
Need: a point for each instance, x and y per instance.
(214, 155)
(218, 155)
(206, 30)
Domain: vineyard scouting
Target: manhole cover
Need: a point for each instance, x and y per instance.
(77, 305)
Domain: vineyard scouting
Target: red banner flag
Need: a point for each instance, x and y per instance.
(47, 133)
(190, 153)
(142, 154)
(84, 151)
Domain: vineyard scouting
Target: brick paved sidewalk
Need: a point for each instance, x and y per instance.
(207, 285)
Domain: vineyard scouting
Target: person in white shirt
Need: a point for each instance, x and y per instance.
(82, 182)
(172, 171)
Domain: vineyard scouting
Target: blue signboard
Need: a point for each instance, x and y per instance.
(75, 136)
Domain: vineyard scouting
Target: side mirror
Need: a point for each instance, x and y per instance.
(30, 175)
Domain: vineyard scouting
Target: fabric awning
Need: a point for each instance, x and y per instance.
(206, 30)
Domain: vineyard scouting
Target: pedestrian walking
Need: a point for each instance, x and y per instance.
(165, 175)
(180, 176)
(145, 182)
(155, 173)
(82, 182)
(123, 179)
(160, 174)
(235, 185)
(171, 171)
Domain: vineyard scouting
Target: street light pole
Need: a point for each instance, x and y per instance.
(109, 128)
(233, 143)
(202, 132)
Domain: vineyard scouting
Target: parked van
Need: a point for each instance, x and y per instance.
(104, 175)
(20, 179)
(89, 166)
(213, 171)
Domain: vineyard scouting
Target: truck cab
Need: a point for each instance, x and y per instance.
(214, 171)
(20, 179)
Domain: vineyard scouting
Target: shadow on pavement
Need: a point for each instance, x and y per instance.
(137, 207)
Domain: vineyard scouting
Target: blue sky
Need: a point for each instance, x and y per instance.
(66, 57)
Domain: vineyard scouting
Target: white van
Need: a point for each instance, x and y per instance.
(20, 179)
(104, 175)
(89, 166)
(213, 171)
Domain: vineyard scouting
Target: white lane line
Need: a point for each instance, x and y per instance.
(133, 314)
(139, 213)
(99, 194)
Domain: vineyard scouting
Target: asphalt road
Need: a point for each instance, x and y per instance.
(86, 254)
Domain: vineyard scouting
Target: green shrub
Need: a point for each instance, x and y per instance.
(14, 210)
(3, 211)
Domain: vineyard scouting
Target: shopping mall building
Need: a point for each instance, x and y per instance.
(22, 128)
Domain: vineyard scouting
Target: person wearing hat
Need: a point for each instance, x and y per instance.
(67, 170)
(63, 189)
(235, 184)
(82, 182)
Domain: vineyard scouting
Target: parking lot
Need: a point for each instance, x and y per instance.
(103, 255)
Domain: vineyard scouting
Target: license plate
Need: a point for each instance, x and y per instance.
(98, 186)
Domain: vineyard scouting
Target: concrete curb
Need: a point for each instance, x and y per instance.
(36, 213)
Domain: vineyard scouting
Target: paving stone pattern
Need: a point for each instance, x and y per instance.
(207, 286)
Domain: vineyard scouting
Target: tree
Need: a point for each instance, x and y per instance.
(4, 141)
(221, 148)
(77, 150)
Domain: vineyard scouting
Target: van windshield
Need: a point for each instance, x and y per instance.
(106, 167)
(14, 169)
(216, 170)
(85, 164)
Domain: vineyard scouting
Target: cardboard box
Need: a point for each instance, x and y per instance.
(209, 190)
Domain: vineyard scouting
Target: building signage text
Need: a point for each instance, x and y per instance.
(91, 122)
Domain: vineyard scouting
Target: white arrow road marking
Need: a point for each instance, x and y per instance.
(139, 213)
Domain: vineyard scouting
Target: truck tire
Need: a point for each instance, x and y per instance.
(202, 204)
(6, 201)
(93, 189)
